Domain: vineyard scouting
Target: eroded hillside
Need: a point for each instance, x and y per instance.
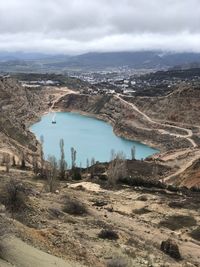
(126, 120)
(180, 106)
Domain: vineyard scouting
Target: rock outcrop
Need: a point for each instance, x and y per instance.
(171, 248)
(18, 106)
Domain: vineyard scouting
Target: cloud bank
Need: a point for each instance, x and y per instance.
(79, 26)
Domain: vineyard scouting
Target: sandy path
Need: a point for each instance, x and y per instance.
(20, 254)
(188, 131)
(64, 93)
(183, 167)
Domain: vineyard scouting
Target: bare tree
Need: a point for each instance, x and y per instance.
(93, 161)
(51, 170)
(35, 164)
(3, 159)
(62, 163)
(23, 162)
(117, 168)
(7, 162)
(87, 163)
(155, 169)
(42, 154)
(73, 157)
(133, 151)
(112, 154)
(13, 161)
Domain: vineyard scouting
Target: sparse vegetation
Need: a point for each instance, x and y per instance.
(176, 222)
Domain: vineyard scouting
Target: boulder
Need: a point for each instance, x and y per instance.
(171, 248)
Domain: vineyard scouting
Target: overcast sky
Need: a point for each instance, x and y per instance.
(78, 26)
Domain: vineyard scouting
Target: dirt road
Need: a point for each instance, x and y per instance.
(188, 131)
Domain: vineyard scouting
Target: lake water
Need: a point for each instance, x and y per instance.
(89, 136)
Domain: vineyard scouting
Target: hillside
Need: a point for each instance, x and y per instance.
(181, 106)
(137, 221)
(25, 62)
(18, 106)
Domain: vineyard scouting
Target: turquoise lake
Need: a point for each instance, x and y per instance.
(89, 136)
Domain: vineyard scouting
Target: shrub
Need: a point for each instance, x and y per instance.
(76, 174)
(142, 198)
(74, 207)
(141, 211)
(108, 234)
(117, 262)
(176, 205)
(15, 197)
(196, 233)
(55, 213)
(176, 222)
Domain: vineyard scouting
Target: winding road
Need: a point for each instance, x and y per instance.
(187, 136)
(188, 131)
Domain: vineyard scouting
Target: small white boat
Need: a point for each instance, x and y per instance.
(54, 119)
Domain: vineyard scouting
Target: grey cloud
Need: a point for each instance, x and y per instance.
(99, 25)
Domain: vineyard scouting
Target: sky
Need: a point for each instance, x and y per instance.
(80, 26)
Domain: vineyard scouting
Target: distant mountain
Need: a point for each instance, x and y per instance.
(96, 61)
(11, 56)
(137, 60)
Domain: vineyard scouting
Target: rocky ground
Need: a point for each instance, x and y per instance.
(135, 221)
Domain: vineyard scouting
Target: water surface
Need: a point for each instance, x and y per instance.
(90, 137)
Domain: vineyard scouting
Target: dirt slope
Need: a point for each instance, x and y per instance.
(22, 255)
(180, 106)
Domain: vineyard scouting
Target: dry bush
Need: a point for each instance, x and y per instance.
(14, 197)
(51, 173)
(118, 262)
(117, 168)
(108, 234)
(74, 207)
(141, 211)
